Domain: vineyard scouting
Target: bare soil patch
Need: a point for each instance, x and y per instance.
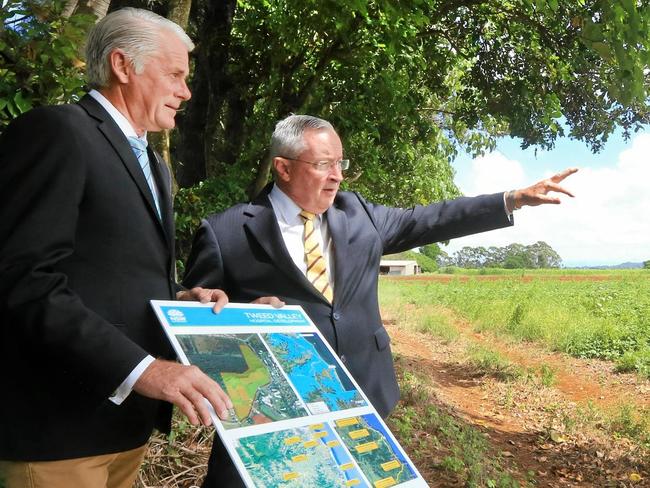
(551, 433)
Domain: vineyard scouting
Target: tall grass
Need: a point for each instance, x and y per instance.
(601, 315)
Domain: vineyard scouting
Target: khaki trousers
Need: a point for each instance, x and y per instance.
(117, 470)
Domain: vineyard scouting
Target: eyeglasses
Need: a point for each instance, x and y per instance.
(324, 166)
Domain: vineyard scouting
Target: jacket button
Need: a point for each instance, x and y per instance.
(336, 316)
(343, 359)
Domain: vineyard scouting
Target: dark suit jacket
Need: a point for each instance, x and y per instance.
(81, 253)
(241, 251)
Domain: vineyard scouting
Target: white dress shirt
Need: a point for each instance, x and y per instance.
(124, 390)
(292, 229)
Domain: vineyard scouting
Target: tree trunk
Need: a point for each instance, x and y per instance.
(262, 176)
(179, 12)
(98, 8)
(210, 85)
(70, 5)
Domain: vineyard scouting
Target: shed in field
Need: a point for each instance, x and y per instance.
(398, 267)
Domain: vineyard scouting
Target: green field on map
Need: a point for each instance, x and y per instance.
(243, 367)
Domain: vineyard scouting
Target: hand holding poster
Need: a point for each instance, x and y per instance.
(298, 419)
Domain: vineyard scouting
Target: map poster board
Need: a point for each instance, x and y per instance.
(298, 419)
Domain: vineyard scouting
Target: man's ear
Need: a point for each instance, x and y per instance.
(282, 169)
(121, 65)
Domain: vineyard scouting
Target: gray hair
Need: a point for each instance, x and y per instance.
(134, 31)
(287, 139)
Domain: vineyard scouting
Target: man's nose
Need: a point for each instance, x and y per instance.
(336, 173)
(184, 93)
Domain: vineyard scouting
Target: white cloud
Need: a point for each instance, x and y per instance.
(492, 173)
(607, 223)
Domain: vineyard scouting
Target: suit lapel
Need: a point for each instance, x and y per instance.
(263, 226)
(337, 224)
(117, 139)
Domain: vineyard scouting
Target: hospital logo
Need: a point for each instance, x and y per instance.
(176, 316)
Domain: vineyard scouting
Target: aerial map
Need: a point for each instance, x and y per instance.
(376, 453)
(314, 372)
(310, 456)
(298, 419)
(246, 371)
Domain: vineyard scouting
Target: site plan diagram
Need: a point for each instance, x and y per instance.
(298, 418)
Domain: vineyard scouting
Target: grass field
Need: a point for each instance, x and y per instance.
(588, 314)
(490, 397)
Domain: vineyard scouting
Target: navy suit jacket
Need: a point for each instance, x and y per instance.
(82, 250)
(242, 251)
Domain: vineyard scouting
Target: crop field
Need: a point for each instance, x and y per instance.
(587, 314)
(514, 379)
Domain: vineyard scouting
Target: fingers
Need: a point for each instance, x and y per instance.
(187, 387)
(537, 194)
(544, 199)
(195, 294)
(552, 186)
(187, 408)
(273, 301)
(563, 174)
(205, 295)
(219, 298)
(202, 295)
(220, 402)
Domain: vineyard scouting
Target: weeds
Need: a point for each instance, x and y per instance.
(638, 361)
(490, 363)
(438, 325)
(631, 422)
(547, 375)
(177, 460)
(439, 442)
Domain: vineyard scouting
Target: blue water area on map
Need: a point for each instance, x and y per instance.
(313, 370)
(374, 423)
(179, 315)
(327, 356)
(341, 456)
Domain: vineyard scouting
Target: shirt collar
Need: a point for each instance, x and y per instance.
(121, 121)
(285, 208)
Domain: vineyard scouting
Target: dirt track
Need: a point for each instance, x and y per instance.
(533, 428)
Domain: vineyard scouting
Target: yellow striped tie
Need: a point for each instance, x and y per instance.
(316, 266)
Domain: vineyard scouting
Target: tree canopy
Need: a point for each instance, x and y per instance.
(512, 256)
(39, 57)
(407, 84)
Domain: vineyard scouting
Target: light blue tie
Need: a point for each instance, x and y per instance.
(139, 147)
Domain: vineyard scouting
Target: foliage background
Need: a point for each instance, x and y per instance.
(407, 84)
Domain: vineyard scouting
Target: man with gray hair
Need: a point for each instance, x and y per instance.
(309, 244)
(87, 238)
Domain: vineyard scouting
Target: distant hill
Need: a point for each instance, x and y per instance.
(627, 265)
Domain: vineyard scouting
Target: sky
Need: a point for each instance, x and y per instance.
(608, 221)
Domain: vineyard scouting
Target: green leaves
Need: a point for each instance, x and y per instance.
(22, 104)
(409, 84)
(39, 58)
(618, 32)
